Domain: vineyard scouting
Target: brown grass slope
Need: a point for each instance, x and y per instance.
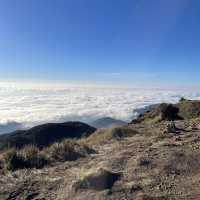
(145, 160)
(135, 162)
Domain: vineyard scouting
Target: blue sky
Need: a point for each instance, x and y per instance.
(131, 42)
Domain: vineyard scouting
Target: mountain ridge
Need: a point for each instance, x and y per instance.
(45, 134)
(107, 122)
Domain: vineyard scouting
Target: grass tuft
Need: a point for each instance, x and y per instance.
(13, 160)
(67, 150)
(33, 157)
(105, 135)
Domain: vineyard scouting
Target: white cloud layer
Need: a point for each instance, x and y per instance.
(26, 105)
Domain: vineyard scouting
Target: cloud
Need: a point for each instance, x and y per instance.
(24, 106)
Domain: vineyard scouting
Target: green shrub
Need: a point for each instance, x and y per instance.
(182, 99)
(169, 112)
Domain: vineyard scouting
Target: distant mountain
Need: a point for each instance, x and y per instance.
(107, 122)
(46, 134)
(10, 126)
(141, 111)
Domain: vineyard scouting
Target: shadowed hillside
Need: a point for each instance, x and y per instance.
(46, 134)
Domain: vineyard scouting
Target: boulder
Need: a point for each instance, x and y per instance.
(99, 180)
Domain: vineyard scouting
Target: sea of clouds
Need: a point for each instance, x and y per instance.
(24, 105)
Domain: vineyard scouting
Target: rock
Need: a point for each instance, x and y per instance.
(100, 180)
(171, 128)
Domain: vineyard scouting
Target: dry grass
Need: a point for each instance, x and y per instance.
(12, 160)
(67, 150)
(32, 157)
(29, 157)
(105, 135)
(150, 167)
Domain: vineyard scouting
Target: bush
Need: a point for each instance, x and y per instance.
(33, 157)
(68, 150)
(182, 99)
(29, 157)
(12, 160)
(169, 112)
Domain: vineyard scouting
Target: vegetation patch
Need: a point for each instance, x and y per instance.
(13, 160)
(105, 135)
(67, 150)
(169, 112)
(183, 110)
(29, 157)
(33, 157)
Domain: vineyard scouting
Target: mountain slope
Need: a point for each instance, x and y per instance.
(107, 122)
(46, 134)
(150, 164)
(139, 161)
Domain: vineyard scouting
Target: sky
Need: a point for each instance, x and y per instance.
(117, 42)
